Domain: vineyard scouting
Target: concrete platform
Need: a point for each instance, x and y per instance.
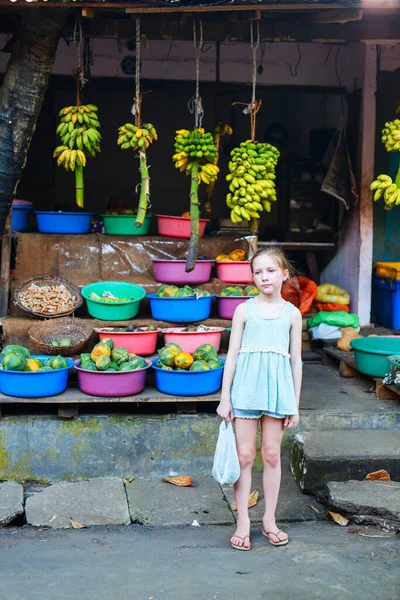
(323, 456)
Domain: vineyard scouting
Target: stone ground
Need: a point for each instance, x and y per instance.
(322, 561)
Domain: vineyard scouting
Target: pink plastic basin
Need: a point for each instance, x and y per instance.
(141, 343)
(177, 226)
(234, 272)
(227, 305)
(173, 271)
(112, 385)
(189, 341)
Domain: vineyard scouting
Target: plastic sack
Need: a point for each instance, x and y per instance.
(226, 467)
(331, 306)
(301, 292)
(325, 332)
(339, 318)
(327, 292)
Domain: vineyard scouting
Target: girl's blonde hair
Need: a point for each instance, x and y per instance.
(279, 258)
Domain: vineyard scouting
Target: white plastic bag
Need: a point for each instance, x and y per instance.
(226, 467)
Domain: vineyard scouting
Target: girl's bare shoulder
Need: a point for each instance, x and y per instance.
(297, 317)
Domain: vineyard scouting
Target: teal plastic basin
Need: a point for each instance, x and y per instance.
(114, 311)
(371, 354)
(125, 225)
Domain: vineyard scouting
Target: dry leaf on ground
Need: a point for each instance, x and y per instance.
(316, 510)
(253, 499)
(180, 481)
(381, 475)
(339, 519)
(128, 479)
(53, 519)
(77, 525)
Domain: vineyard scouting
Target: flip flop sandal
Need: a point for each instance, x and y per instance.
(244, 548)
(276, 533)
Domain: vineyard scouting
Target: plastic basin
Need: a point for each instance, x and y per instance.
(173, 271)
(140, 343)
(63, 222)
(124, 225)
(180, 310)
(371, 354)
(114, 311)
(112, 385)
(234, 272)
(20, 217)
(187, 383)
(189, 341)
(177, 226)
(35, 385)
(227, 304)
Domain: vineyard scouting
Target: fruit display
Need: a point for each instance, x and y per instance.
(172, 291)
(62, 342)
(48, 299)
(237, 255)
(249, 290)
(172, 358)
(80, 138)
(108, 298)
(18, 358)
(138, 138)
(195, 153)
(110, 359)
(384, 186)
(251, 180)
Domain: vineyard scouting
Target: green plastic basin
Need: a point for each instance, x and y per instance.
(114, 311)
(371, 354)
(124, 225)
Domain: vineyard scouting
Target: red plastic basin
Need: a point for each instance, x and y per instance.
(177, 226)
(235, 272)
(141, 343)
(173, 271)
(227, 304)
(112, 385)
(189, 341)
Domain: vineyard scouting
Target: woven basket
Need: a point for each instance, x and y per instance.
(43, 333)
(49, 280)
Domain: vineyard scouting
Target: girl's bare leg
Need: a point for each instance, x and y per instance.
(272, 433)
(246, 433)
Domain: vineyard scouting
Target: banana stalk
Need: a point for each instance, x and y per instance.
(79, 187)
(194, 219)
(144, 189)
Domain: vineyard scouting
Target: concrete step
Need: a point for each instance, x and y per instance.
(322, 456)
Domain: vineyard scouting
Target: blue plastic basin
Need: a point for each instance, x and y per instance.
(24, 384)
(180, 310)
(63, 222)
(20, 218)
(188, 383)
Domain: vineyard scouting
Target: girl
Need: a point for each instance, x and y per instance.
(262, 381)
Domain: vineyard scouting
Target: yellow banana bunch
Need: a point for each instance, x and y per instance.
(391, 135)
(251, 180)
(79, 130)
(198, 147)
(383, 186)
(208, 173)
(136, 138)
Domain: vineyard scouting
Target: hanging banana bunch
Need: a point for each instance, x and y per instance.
(195, 154)
(383, 186)
(80, 138)
(220, 130)
(251, 180)
(139, 138)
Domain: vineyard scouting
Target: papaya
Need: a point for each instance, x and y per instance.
(201, 293)
(119, 355)
(231, 291)
(33, 365)
(102, 363)
(214, 363)
(183, 360)
(13, 348)
(138, 362)
(126, 366)
(186, 215)
(200, 365)
(100, 350)
(223, 258)
(237, 255)
(56, 362)
(204, 352)
(65, 342)
(250, 290)
(108, 342)
(168, 352)
(160, 291)
(113, 365)
(14, 361)
(44, 370)
(170, 291)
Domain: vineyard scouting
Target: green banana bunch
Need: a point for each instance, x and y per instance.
(198, 147)
(384, 186)
(391, 135)
(251, 180)
(137, 138)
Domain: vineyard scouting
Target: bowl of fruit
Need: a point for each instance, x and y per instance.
(123, 222)
(173, 271)
(183, 374)
(113, 300)
(231, 296)
(233, 267)
(178, 227)
(139, 340)
(192, 336)
(180, 305)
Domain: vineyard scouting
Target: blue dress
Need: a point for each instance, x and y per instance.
(263, 378)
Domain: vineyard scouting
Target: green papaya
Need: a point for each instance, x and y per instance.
(13, 348)
(102, 363)
(200, 365)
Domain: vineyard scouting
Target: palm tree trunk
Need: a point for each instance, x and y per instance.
(22, 93)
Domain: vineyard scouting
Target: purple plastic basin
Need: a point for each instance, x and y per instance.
(173, 271)
(112, 385)
(227, 305)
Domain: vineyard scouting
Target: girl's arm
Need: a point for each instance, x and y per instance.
(239, 318)
(296, 363)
